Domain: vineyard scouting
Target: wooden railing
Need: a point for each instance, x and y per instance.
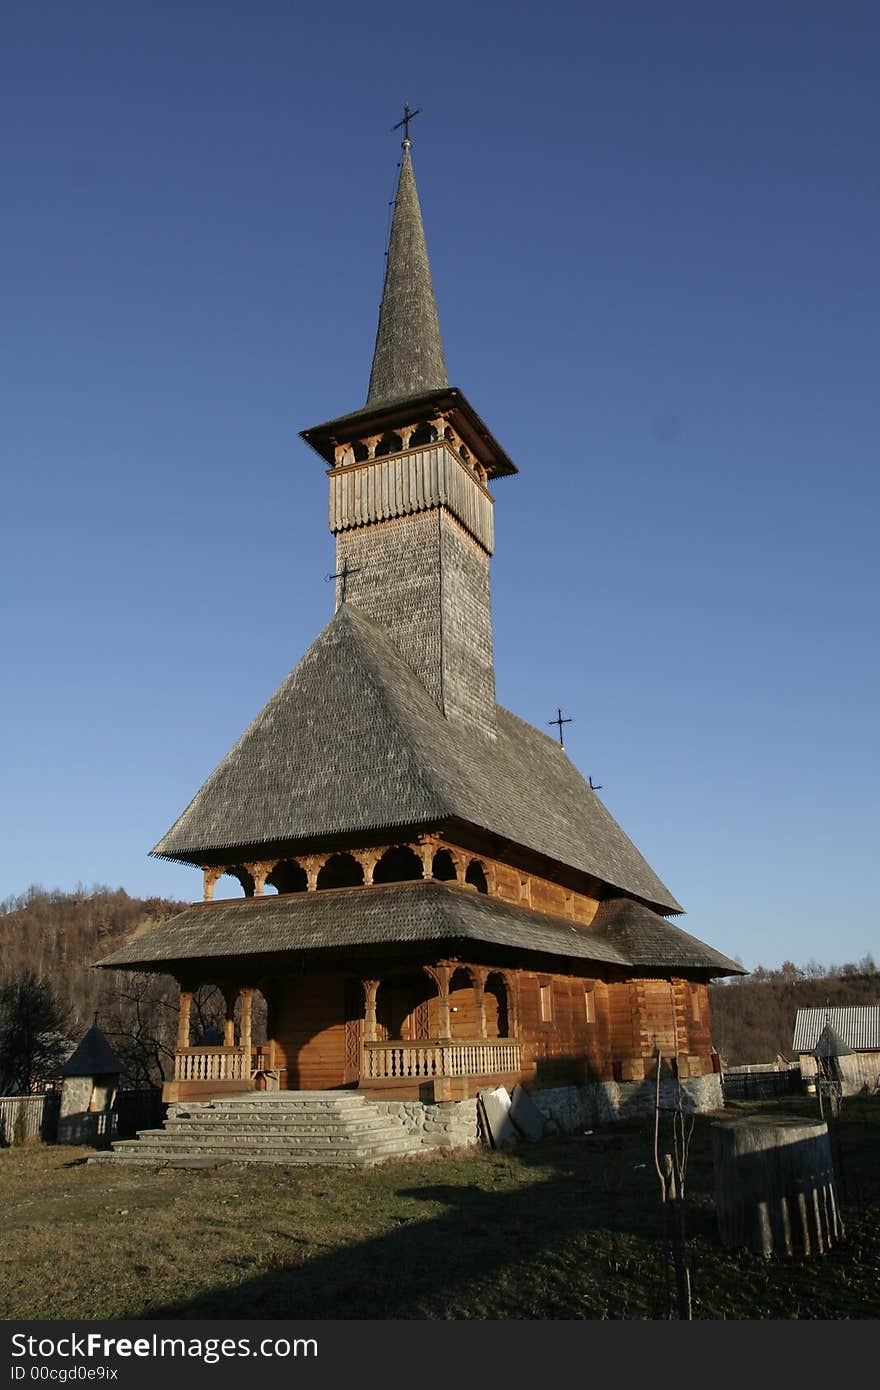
(398, 1061)
(383, 1061)
(211, 1064)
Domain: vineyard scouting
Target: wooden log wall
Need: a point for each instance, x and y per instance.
(594, 1030)
(309, 1021)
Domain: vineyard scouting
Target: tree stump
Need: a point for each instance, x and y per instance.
(774, 1185)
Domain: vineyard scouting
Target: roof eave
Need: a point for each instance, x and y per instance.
(385, 415)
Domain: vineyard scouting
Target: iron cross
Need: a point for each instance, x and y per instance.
(343, 575)
(560, 721)
(407, 117)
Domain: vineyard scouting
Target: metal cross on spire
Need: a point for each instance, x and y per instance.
(560, 721)
(407, 117)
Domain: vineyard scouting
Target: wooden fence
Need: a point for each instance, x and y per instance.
(24, 1118)
(28, 1117)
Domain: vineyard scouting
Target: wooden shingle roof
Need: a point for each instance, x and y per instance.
(408, 357)
(653, 943)
(392, 915)
(352, 741)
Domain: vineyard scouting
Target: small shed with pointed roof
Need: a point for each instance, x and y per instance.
(843, 1041)
(90, 1078)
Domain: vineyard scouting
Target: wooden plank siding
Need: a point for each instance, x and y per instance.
(572, 1029)
(309, 1023)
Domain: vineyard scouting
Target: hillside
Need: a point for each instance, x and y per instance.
(753, 1019)
(59, 936)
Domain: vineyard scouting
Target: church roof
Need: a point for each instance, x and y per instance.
(651, 942)
(352, 741)
(408, 358)
(387, 914)
(93, 1057)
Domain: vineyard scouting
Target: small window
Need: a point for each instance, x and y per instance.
(590, 1005)
(546, 990)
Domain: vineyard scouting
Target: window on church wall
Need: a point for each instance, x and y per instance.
(341, 871)
(590, 1005)
(476, 876)
(545, 996)
(288, 877)
(399, 864)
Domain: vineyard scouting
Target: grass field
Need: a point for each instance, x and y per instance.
(563, 1229)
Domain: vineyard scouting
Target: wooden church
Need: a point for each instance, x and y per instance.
(435, 901)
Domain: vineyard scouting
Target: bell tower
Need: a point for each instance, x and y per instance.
(410, 504)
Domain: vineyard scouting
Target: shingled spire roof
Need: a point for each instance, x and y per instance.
(408, 358)
(352, 741)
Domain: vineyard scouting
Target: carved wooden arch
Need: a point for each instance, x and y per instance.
(212, 873)
(417, 852)
(272, 867)
(484, 870)
(508, 981)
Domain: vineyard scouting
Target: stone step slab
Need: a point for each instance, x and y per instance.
(283, 1127)
(133, 1147)
(237, 1124)
(223, 1141)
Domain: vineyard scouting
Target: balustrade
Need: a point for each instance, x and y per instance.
(422, 1061)
(212, 1064)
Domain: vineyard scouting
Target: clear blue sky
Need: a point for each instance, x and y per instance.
(653, 231)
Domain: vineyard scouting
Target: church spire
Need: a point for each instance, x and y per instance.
(408, 358)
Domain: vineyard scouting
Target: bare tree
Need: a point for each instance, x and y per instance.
(33, 1041)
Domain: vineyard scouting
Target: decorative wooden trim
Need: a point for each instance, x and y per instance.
(402, 484)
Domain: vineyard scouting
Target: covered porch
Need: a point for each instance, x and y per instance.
(428, 1032)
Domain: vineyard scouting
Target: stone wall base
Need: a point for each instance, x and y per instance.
(575, 1108)
(440, 1125)
(455, 1124)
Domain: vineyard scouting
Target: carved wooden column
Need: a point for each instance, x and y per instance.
(442, 974)
(313, 864)
(511, 989)
(368, 859)
(427, 856)
(371, 988)
(229, 997)
(210, 877)
(186, 998)
(479, 979)
(247, 999)
(259, 873)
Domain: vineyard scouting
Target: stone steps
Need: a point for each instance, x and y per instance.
(298, 1127)
(300, 1124)
(164, 1140)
